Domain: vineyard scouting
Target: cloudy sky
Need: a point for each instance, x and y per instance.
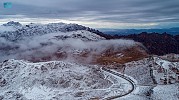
(95, 13)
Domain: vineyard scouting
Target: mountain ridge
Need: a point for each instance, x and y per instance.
(159, 44)
(40, 29)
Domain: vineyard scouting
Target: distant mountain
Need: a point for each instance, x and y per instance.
(172, 31)
(12, 23)
(156, 43)
(159, 44)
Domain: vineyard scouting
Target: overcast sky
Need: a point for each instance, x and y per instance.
(95, 13)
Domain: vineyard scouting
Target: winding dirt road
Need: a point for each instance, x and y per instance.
(124, 77)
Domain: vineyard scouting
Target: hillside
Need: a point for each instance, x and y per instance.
(22, 80)
(60, 41)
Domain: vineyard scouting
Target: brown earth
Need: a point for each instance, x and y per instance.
(108, 57)
(131, 54)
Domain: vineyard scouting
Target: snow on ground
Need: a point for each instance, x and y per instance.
(147, 90)
(57, 80)
(140, 71)
(166, 92)
(165, 64)
(163, 71)
(139, 94)
(89, 35)
(6, 28)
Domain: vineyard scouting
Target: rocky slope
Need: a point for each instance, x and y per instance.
(57, 80)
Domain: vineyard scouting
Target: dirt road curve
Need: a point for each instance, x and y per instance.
(124, 77)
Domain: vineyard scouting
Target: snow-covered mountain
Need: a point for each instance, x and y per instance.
(60, 41)
(32, 29)
(12, 23)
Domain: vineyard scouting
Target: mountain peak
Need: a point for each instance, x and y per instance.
(12, 23)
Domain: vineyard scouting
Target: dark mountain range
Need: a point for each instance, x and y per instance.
(156, 43)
